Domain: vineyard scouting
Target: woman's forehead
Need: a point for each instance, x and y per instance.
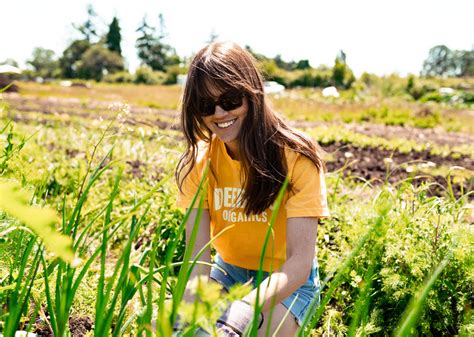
(213, 89)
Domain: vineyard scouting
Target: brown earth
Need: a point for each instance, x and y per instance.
(377, 165)
(79, 326)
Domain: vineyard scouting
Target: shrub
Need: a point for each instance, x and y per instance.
(419, 235)
(435, 96)
(172, 73)
(146, 75)
(97, 62)
(311, 78)
(120, 77)
(467, 97)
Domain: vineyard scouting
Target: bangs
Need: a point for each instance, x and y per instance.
(211, 78)
(207, 86)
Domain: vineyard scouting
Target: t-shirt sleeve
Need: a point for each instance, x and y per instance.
(191, 186)
(308, 196)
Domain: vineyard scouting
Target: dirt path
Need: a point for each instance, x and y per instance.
(376, 165)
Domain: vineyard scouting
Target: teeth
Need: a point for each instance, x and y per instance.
(226, 124)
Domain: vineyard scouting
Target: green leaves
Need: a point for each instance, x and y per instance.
(410, 317)
(16, 202)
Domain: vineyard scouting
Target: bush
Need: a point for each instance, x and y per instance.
(311, 78)
(435, 96)
(120, 77)
(417, 237)
(272, 72)
(97, 62)
(146, 75)
(467, 97)
(172, 73)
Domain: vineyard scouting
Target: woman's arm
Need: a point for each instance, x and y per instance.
(301, 236)
(202, 238)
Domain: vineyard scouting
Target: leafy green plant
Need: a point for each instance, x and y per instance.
(11, 148)
(67, 277)
(418, 234)
(409, 318)
(258, 307)
(382, 206)
(16, 287)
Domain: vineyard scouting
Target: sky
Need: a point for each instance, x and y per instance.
(378, 36)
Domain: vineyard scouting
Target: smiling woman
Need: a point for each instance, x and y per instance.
(252, 154)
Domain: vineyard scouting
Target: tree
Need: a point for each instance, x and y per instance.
(44, 63)
(88, 29)
(213, 36)
(303, 64)
(440, 62)
(9, 61)
(113, 38)
(341, 56)
(71, 55)
(464, 62)
(152, 51)
(259, 57)
(98, 61)
(342, 75)
(283, 64)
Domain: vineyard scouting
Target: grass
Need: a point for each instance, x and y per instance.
(141, 95)
(381, 253)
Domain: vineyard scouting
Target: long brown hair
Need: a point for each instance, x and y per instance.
(263, 135)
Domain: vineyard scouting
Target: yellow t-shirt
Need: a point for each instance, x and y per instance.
(242, 244)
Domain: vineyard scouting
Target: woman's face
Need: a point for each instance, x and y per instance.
(226, 124)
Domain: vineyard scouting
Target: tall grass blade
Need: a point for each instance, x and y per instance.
(19, 297)
(362, 304)
(258, 308)
(414, 308)
(163, 324)
(100, 300)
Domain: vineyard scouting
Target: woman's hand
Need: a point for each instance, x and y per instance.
(300, 251)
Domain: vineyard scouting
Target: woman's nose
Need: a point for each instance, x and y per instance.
(219, 111)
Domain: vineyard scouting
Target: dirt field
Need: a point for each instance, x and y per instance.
(372, 164)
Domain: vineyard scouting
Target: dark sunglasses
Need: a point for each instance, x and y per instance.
(228, 101)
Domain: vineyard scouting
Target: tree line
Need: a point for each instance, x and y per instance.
(95, 56)
(99, 57)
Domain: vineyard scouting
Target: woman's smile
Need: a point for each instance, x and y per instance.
(226, 124)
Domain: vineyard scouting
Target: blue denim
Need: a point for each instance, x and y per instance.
(302, 297)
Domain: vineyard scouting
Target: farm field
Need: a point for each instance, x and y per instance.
(395, 257)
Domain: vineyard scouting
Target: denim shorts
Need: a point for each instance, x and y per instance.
(306, 296)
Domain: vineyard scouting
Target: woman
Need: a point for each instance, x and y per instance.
(227, 121)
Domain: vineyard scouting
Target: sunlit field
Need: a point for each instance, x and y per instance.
(91, 242)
